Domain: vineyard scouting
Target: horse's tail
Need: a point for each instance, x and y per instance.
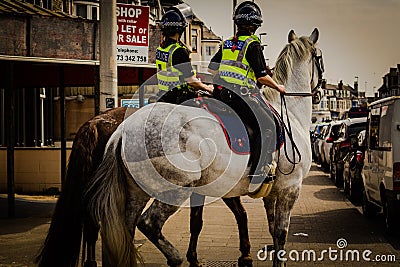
(105, 198)
(63, 242)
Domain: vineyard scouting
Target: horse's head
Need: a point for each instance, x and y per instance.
(302, 50)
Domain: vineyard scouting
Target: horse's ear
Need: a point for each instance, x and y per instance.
(292, 36)
(314, 36)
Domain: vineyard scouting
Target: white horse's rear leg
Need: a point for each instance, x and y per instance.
(269, 205)
(283, 207)
(151, 223)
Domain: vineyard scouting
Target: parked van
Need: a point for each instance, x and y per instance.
(381, 171)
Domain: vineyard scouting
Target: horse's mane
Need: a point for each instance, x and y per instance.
(297, 49)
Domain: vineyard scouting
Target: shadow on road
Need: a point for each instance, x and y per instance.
(28, 215)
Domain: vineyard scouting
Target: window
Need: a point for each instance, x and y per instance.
(385, 137)
(95, 11)
(42, 3)
(194, 40)
(373, 134)
(33, 117)
(81, 11)
(324, 104)
(86, 11)
(210, 50)
(333, 103)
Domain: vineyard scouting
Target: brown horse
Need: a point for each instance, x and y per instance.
(63, 241)
(62, 246)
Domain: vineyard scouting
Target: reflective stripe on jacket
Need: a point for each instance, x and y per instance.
(168, 77)
(234, 67)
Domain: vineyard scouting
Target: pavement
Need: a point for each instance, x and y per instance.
(323, 222)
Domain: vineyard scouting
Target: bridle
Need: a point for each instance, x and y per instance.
(319, 65)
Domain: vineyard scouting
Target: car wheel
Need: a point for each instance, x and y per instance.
(332, 171)
(325, 167)
(368, 209)
(346, 188)
(389, 214)
(354, 191)
(338, 177)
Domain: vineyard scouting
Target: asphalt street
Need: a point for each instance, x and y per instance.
(326, 230)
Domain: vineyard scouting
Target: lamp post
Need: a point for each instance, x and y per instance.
(108, 55)
(234, 25)
(261, 34)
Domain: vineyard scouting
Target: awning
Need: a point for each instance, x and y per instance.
(45, 72)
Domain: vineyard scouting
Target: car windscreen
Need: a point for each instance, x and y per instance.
(356, 128)
(335, 129)
(358, 112)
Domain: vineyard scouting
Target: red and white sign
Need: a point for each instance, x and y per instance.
(133, 34)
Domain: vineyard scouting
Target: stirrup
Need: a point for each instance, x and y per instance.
(264, 177)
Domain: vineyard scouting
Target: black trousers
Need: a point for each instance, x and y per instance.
(175, 95)
(259, 121)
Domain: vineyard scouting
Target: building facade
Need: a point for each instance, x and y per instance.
(50, 48)
(337, 99)
(391, 83)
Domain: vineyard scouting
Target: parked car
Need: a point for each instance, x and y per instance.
(330, 135)
(381, 171)
(353, 164)
(316, 145)
(349, 129)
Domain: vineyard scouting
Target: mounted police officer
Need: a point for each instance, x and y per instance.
(176, 79)
(238, 66)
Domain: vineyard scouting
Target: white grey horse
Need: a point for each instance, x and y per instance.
(168, 152)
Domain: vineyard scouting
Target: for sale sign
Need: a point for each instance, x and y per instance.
(133, 34)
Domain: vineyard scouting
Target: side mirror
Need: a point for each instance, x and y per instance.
(361, 139)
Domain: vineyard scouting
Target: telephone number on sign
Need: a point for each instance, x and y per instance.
(131, 58)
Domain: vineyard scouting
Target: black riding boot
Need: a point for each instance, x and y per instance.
(265, 145)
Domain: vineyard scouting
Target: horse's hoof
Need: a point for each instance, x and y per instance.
(90, 264)
(245, 261)
(192, 259)
(175, 262)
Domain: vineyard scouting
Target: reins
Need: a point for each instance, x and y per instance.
(299, 94)
(289, 132)
(320, 69)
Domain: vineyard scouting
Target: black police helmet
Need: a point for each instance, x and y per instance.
(248, 13)
(173, 22)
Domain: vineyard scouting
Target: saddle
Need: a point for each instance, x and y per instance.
(238, 134)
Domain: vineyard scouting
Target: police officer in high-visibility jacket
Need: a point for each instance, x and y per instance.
(240, 65)
(176, 78)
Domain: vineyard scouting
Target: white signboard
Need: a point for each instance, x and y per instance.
(133, 34)
(132, 103)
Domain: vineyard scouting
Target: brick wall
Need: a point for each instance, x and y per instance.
(53, 37)
(63, 38)
(13, 35)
